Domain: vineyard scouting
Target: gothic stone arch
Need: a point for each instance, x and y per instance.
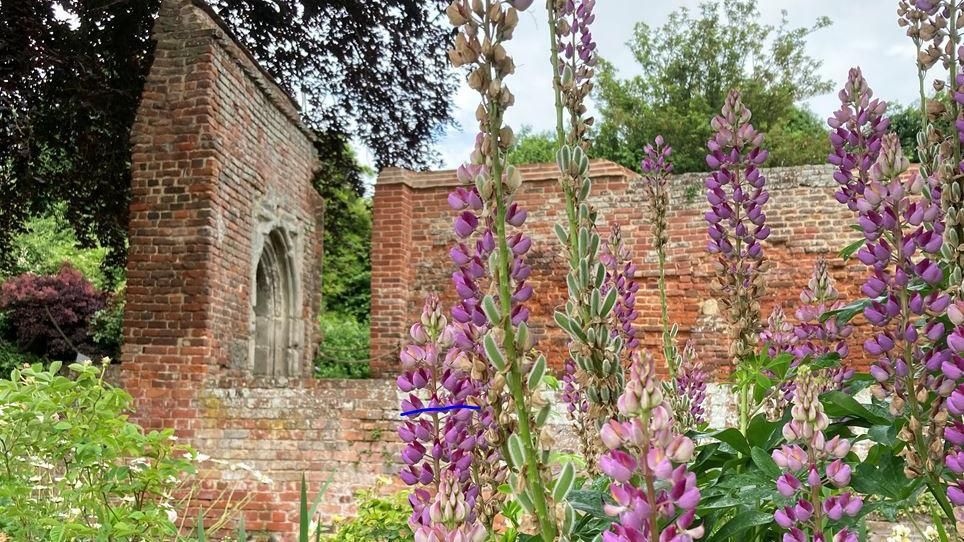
(276, 325)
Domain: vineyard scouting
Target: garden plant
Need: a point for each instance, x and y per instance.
(804, 459)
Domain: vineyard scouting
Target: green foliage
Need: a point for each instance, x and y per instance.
(533, 147)
(346, 270)
(343, 350)
(379, 519)
(47, 243)
(689, 65)
(72, 467)
(905, 122)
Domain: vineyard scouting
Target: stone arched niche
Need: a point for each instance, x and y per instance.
(277, 327)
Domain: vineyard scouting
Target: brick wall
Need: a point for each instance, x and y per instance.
(412, 235)
(220, 160)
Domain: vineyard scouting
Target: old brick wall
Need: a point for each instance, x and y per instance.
(220, 160)
(412, 235)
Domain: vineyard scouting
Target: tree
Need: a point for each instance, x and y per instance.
(688, 67)
(72, 71)
(533, 147)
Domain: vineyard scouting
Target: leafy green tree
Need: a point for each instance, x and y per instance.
(533, 147)
(346, 270)
(688, 67)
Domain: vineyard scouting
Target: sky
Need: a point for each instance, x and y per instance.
(864, 33)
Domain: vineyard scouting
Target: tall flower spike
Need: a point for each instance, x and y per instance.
(856, 130)
(576, 62)
(737, 227)
(903, 235)
(645, 448)
(656, 168)
(815, 478)
(593, 346)
(689, 391)
(483, 29)
(620, 274)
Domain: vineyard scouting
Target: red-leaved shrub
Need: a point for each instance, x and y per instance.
(36, 305)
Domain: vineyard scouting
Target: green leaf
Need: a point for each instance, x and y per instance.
(883, 434)
(492, 352)
(851, 249)
(847, 312)
(516, 454)
(882, 474)
(491, 310)
(201, 536)
(837, 404)
(733, 437)
(537, 372)
(564, 484)
(765, 463)
(743, 521)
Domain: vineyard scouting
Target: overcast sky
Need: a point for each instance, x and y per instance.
(864, 33)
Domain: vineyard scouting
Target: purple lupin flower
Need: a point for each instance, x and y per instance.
(620, 274)
(690, 391)
(451, 516)
(856, 130)
(778, 338)
(815, 477)
(436, 444)
(737, 228)
(577, 61)
(662, 506)
(903, 225)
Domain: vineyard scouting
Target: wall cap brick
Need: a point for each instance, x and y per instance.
(530, 173)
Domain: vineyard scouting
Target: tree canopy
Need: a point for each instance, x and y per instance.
(72, 71)
(687, 68)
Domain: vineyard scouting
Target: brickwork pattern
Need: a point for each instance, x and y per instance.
(413, 260)
(216, 145)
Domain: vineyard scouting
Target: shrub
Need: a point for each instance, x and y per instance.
(343, 351)
(48, 243)
(74, 467)
(380, 519)
(50, 314)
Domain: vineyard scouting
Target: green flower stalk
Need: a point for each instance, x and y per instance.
(593, 347)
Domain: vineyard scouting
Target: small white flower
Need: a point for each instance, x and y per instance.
(931, 534)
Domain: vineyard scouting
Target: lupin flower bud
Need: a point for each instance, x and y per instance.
(450, 517)
(856, 130)
(737, 226)
(646, 447)
(690, 391)
(813, 467)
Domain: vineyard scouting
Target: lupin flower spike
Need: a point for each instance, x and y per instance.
(813, 466)
(436, 445)
(501, 316)
(856, 130)
(736, 193)
(645, 447)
